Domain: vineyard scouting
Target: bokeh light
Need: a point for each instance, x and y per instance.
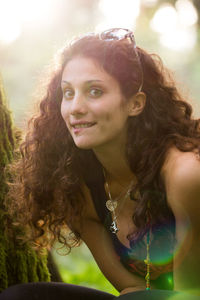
(176, 25)
(121, 13)
(180, 40)
(164, 19)
(187, 13)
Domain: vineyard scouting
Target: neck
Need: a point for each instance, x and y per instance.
(115, 165)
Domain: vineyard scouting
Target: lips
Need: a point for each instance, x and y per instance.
(77, 125)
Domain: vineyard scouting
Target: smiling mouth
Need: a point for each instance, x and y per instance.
(86, 125)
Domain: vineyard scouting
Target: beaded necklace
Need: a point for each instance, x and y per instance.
(147, 260)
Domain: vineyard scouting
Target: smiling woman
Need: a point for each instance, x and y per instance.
(103, 162)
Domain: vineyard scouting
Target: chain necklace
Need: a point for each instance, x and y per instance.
(112, 205)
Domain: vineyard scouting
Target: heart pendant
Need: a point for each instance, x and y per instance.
(111, 205)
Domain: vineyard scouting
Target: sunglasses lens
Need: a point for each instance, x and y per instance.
(114, 34)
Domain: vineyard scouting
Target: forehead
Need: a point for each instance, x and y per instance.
(81, 68)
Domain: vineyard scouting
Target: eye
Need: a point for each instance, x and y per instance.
(95, 92)
(68, 93)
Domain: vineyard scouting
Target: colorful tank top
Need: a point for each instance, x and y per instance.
(133, 258)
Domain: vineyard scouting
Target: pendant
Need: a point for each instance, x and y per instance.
(111, 205)
(113, 227)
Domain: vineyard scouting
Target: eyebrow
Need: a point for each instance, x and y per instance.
(88, 81)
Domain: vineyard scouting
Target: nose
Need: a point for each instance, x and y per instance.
(78, 105)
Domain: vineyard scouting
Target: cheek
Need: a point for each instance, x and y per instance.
(107, 117)
(113, 116)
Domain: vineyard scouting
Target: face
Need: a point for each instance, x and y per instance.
(93, 106)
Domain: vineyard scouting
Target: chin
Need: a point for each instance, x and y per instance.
(85, 145)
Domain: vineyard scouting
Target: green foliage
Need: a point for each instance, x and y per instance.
(18, 263)
(79, 268)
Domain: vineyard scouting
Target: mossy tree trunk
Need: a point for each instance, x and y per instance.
(18, 263)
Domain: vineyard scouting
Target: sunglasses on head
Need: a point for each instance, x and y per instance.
(117, 34)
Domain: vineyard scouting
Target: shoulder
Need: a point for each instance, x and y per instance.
(181, 175)
(181, 168)
(186, 168)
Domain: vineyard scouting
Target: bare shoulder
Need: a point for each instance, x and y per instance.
(181, 176)
(181, 168)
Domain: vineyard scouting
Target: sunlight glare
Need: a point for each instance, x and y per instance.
(121, 13)
(34, 10)
(10, 28)
(15, 14)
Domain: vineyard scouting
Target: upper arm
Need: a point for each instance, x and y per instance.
(96, 237)
(183, 190)
(183, 194)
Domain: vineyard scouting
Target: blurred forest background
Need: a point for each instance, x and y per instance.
(31, 32)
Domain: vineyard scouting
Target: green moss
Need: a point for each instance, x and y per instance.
(32, 262)
(42, 268)
(3, 269)
(18, 264)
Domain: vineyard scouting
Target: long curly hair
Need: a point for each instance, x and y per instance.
(51, 170)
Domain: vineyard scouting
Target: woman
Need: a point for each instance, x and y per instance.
(113, 155)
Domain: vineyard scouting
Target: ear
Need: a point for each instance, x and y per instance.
(136, 104)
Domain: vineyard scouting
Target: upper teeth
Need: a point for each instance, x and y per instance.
(82, 125)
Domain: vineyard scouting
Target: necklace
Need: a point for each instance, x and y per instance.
(147, 260)
(112, 205)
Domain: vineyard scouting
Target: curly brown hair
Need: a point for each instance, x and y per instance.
(51, 171)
